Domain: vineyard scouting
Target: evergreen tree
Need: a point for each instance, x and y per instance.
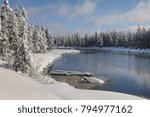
(22, 59)
(50, 40)
(13, 31)
(23, 25)
(5, 12)
(39, 39)
(30, 37)
(1, 40)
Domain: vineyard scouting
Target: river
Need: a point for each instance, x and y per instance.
(129, 73)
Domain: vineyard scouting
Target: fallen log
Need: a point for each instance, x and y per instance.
(71, 73)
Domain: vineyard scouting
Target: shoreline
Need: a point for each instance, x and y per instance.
(119, 50)
(75, 81)
(42, 60)
(76, 51)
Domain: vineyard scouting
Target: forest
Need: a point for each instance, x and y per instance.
(127, 39)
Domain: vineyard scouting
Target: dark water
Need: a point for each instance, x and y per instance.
(131, 73)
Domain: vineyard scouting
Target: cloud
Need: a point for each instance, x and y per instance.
(139, 14)
(38, 10)
(86, 8)
(63, 10)
(56, 26)
(135, 27)
(106, 19)
(79, 9)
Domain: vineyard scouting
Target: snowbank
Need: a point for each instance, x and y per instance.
(95, 80)
(41, 60)
(16, 86)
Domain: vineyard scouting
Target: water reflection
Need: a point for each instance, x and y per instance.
(131, 72)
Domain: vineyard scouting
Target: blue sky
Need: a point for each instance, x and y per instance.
(71, 16)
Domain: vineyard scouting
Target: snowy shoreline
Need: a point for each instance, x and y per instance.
(41, 60)
(111, 49)
(120, 50)
(17, 86)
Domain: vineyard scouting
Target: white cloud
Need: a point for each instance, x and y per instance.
(56, 26)
(72, 11)
(87, 7)
(38, 10)
(63, 10)
(135, 27)
(107, 19)
(139, 14)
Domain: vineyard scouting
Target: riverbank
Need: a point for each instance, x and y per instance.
(41, 60)
(16, 86)
(111, 49)
(76, 82)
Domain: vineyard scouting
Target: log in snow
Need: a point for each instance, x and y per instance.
(71, 73)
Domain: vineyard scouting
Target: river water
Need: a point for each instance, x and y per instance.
(130, 73)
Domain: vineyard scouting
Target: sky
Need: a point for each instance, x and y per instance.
(63, 17)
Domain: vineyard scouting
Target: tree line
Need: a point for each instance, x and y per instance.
(127, 39)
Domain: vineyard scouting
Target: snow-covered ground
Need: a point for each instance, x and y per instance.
(41, 60)
(92, 80)
(17, 86)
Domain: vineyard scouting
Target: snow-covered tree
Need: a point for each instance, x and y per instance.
(22, 55)
(5, 12)
(39, 39)
(30, 37)
(23, 25)
(22, 59)
(44, 39)
(50, 40)
(13, 25)
(1, 41)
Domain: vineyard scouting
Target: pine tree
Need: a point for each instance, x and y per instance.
(30, 37)
(22, 59)
(39, 39)
(44, 39)
(23, 25)
(50, 40)
(22, 55)
(5, 12)
(13, 31)
(1, 41)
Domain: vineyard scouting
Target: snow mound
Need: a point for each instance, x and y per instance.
(15, 86)
(92, 80)
(95, 80)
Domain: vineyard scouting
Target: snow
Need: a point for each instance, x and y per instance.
(41, 60)
(17, 86)
(94, 80)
